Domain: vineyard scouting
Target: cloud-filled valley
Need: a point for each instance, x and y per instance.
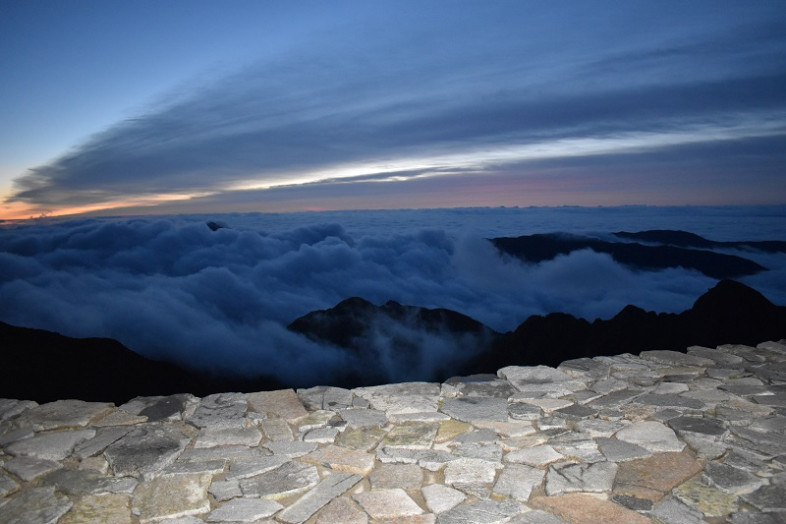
(173, 288)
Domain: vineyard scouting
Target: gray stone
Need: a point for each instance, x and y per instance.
(585, 368)
(321, 435)
(342, 511)
(534, 456)
(441, 498)
(674, 358)
(36, 505)
(244, 510)
(483, 385)
(7, 485)
(597, 477)
(517, 481)
(253, 466)
(541, 379)
(328, 489)
(596, 427)
(430, 459)
(669, 401)
(220, 410)
(172, 496)
(63, 414)
(614, 399)
(478, 436)
(731, 479)
(325, 397)
(55, 445)
(291, 449)
(720, 358)
(160, 408)
(277, 430)
(214, 467)
(768, 498)
(209, 438)
(10, 434)
(11, 407)
(103, 438)
(28, 468)
(537, 516)
(483, 512)
(619, 451)
(487, 452)
(701, 425)
(388, 504)
(405, 476)
(576, 412)
(757, 518)
(85, 482)
(672, 511)
(225, 489)
(472, 409)
(145, 450)
(283, 404)
(652, 436)
(360, 417)
(288, 479)
(524, 411)
(467, 473)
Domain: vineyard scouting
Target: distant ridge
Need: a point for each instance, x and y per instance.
(685, 239)
(673, 253)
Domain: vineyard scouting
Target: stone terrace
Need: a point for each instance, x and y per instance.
(662, 437)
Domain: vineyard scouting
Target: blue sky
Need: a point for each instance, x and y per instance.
(183, 106)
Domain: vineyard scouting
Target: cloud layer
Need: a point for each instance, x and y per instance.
(170, 288)
(487, 96)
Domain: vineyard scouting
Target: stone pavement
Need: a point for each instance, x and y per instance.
(662, 437)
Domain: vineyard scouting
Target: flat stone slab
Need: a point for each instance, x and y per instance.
(472, 409)
(517, 481)
(55, 445)
(244, 510)
(288, 479)
(171, 497)
(653, 477)
(221, 410)
(534, 456)
(617, 450)
(35, 505)
(597, 477)
(342, 511)
(388, 476)
(28, 468)
(388, 504)
(328, 489)
(441, 498)
(342, 459)
(652, 436)
(363, 417)
(145, 450)
(283, 403)
(483, 512)
(63, 414)
(576, 507)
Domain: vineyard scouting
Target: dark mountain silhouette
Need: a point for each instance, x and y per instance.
(540, 247)
(45, 366)
(685, 239)
(347, 323)
(729, 313)
(409, 335)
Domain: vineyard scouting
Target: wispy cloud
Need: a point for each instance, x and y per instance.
(355, 115)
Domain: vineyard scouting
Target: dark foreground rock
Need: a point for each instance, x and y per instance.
(45, 366)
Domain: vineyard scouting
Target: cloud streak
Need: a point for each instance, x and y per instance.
(323, 114)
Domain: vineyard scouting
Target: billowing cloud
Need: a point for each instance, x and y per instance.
(171, 288)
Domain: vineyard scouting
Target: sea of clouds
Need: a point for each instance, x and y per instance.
(171, 288)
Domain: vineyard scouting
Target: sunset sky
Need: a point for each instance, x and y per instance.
(197, 106)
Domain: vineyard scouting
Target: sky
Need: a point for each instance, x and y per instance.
(152, 107)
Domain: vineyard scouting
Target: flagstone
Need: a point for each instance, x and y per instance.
(387, 504)
(653, 477)
(244, 510)
(342, 459)
(328, 489)
(579, 508)
(283, 403)
(171, 497)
